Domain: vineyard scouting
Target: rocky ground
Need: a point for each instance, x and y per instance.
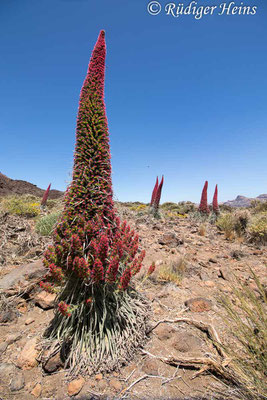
(207, 266)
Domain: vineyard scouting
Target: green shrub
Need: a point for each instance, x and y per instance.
(46, 224)
(25, 205)
(246, 318)
(257, 228)
(226, 223)
(242, 217)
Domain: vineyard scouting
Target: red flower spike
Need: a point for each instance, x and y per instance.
(111, 274)
(203, 207)
(154, 192)
(215, 205)
(158, 194)
(97, 273)
(151, 269)
(92, 153)
(125, 279)
(90, 242)
(45, 196)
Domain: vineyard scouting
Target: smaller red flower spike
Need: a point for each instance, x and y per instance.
(215, 205)
(158, 194)
(45, 196)
(203, 206)
(151, 269)
(154, 192)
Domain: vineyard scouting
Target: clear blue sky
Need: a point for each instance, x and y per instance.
(185, 98)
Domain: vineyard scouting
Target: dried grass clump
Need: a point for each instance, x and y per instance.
(202, 230)
(173, 272)
(247, 320)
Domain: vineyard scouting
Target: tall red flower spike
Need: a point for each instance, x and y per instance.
(90, 243)
(203, 206)
(215, 205)
(91, 189)
(154, 192)
(158, 194)
(45, 196)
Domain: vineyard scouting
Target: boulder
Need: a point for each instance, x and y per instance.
(37, 390)
(198, 304)
(21, 275)
(28, 355)
(170, 239)
(53, 364)
(45, 300)
(17, 382)
(75, 386)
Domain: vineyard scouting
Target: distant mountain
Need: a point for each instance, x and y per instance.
(13, 186)
(242, 201)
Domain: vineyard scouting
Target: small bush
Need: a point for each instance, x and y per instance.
(242, 218)
(26, 205)
(226, 223)
(46, 224)
(257, 228)
(258, 206)
(173, 272)
(246, 318)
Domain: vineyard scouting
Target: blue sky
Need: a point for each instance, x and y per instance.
(185, 98)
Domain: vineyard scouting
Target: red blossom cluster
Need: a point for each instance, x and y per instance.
(64, 309)
(45, 196)
(156, 194)
(90, 242)
(110, 251)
